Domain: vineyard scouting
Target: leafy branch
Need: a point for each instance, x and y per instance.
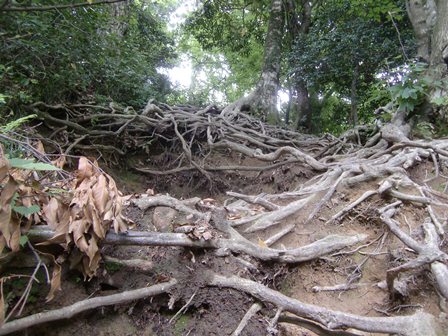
(56, 7)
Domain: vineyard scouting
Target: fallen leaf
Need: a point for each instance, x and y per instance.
(55, 283)
(85, 169)
(2, 304)
(100, 193)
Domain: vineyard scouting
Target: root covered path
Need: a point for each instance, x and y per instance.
(343, 236)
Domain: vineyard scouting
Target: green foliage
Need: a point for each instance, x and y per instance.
(23, 240)
(376, 95)
(348, 35)
(412, 89)
(30, 164)
(14, 124)
(26, 211)
(229, 25)
(338, 41)
(112, 267)
(67, 54)
(415, 88)
(334, 114)
(424, 130)
(224, 40)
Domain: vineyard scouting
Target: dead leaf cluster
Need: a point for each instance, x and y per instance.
(85, 219)
(80, 208)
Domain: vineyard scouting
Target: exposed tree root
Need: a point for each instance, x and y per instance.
(428, 253)
(417, 324)
(236, 244)
(190, 136)
(70, 311)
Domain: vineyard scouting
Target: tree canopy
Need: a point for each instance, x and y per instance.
(334, 56)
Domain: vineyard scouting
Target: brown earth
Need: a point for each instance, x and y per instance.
(215, 311)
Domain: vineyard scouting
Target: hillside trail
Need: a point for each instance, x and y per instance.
(352, 228)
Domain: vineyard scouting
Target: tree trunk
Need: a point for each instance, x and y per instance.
(303, 107)
(429, 20)
(354, 96)
(267, 86)
(439, 41)
(302, 27)
(422, 14)
(263, 100)
(120, 17)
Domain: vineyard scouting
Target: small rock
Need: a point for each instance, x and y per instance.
(162, 218)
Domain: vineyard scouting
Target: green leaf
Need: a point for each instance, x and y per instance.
(24, 211)
(30, 164)
(439, 101)
(406, 93)
(23, 240)
(16, 123)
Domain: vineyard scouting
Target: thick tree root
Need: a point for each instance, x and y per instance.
(428, 253)
(191, 135)
(235, 244)
(70, 311)
(418, 324)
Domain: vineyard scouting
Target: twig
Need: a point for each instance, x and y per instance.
(272, 327)
(183, 309)
(253, 310)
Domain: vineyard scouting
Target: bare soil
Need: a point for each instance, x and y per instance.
(215, 311)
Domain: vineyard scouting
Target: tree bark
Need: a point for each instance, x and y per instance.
(439, 41)
(263, 100)
(429, 20)
(302, 27)
(289, 107)
(303, 107)
(354, 95)
(267, 87)
(120, 14)
(422, 14)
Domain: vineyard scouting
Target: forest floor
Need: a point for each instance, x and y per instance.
(216, 311)
(250, 229)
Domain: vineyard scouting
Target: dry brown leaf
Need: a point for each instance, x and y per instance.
(55, 283)
(14, 241)
(95, 206)
(59, 162)
(85, 169)
(39, 147)
(92, 251)
(97, 224)
(7, 226)
(119, 224)
(4, 165)
(2, 243)
(2, 304)
(207, 235)
(50, 213)
(100, 193)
